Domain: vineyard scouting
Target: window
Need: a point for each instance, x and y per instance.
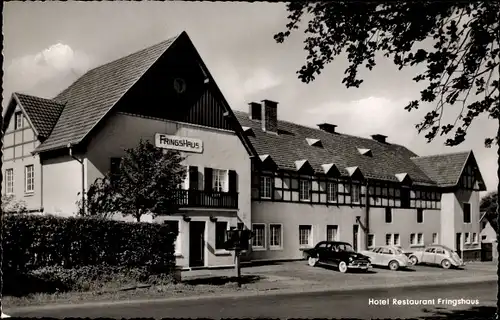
(29, 175)
(9, 181)
(413, 239)
(304, 189)
(388, 239)
(420, 215)
(371, 241)
(434, 238)
(219, 180)
(174, 225)
(466, 212)
(265, 187)
(331, 192)
(305, 233)
(275, 236)
(388, 215)
(355, 190)
(259, 236)
(114, 169)
(420, 238)
(397, 242)
(332, 233)
(474, 238)
(220, 234)
(18, 120)
(467, 237)
(483, 237)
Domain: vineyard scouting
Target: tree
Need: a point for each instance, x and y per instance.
(147, 179)
(11, 205)
(145, 183)
(458, 43)
(489, 205)
(100, 199)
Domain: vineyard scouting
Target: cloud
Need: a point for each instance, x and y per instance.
(240, 88)
(368, 116)
(45, 72)
(260, 80)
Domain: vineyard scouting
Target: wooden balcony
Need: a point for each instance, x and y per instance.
(206, 199)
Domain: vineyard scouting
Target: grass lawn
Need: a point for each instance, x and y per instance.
(111, 292)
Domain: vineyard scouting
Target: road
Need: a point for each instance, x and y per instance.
(300, 305)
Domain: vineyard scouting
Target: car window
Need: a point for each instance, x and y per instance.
(376, 250)
(430, 250)
(322, 245)
(440, 251)
(391, 251)
(385, 251)
(399, 251)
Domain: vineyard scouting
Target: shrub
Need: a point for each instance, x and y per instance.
(36, 242)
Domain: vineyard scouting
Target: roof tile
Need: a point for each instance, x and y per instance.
(444, 169)
(90, 97)
(290, 145)
(43, 113)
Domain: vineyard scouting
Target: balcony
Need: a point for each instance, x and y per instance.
(206, 199)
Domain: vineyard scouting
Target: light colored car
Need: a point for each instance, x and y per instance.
(387, 256)
(436, 255)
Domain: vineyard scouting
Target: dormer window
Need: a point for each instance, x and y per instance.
(314, 142)
(365, 152)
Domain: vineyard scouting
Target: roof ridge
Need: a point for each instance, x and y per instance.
(33, 96)
(338, 133)
(443, 154)
(171, 39)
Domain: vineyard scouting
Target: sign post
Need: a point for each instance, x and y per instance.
(237, 240)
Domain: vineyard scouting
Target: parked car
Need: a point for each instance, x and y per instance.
(387, 256)
(437, 255)
(337, 254)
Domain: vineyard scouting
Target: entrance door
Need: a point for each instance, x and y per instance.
(458, 244)
(196, 243)
(355, 231)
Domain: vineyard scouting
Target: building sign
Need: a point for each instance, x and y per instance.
(178, 143)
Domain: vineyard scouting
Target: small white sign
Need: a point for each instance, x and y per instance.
(178, 143)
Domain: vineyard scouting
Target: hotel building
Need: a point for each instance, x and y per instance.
(292, 185)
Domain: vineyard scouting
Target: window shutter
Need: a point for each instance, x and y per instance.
(232, 181)
(208, 179)
(193, 178)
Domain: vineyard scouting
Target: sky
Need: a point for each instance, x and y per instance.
(48, 45)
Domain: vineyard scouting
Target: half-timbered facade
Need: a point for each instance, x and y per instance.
(292, 185)
(310, 185)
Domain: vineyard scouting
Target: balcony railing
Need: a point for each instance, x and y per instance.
(206, 199)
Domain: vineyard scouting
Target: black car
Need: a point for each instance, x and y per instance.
(337, 254)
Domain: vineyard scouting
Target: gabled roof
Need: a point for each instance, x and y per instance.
(42, 113)
(444, 169)
(330, 169)
(90, 97)
(365, 152)
(314, 142)
(290, 145)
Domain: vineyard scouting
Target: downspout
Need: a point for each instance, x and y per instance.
(367, 213)
(70, 148)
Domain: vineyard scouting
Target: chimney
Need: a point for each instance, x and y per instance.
(269, 116)
(255, 111)
(327, 127)
(379, 137)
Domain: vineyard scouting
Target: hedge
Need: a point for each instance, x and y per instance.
(32, 242)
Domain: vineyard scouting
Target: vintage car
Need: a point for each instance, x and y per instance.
(387, 256)
(436, 255)
(337, 254)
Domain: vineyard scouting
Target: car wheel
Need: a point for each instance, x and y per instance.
(343, 267)
(413, 260)
(312, 261)
(446, 264)
(393, 265)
